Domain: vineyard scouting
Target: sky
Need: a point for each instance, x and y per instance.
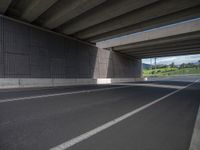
(176, 59)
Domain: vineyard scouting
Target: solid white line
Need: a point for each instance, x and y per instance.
(153, 85)
(195, 141)
(60, 94)
(90, 133)
(85, 91)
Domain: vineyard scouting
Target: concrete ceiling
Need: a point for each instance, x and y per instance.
(98, 20)
(176, 39)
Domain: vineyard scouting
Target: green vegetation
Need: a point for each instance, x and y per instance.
(172, 69)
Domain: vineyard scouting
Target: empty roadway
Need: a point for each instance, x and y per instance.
(46, 122)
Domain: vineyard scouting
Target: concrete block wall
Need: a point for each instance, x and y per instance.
(6, 83)
(28, 52)
(1, 50)
(110, 64)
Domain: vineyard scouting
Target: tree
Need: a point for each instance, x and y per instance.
(172, 65)
(199, 63)
(182, 65)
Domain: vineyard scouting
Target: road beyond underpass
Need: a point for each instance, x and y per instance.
(153, 115)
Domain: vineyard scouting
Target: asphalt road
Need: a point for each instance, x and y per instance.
(41, 118)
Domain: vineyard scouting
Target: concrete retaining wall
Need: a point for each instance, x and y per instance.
(28, 52)
(41, 82)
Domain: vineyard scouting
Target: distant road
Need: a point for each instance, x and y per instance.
(175, 78)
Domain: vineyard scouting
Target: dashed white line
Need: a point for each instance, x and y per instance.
(90, 133)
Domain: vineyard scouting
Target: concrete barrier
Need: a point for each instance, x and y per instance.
(9, 83)
(85, 81)
(47, 82)
(34, 82)
(104, 81)
(63, 82)
(118, 80)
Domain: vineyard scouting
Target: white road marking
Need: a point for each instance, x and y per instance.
(153, 85)
(195, 141)
(90, 133)
(87, 91)
(59, 94)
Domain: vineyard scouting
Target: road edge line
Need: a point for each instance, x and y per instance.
(60, 94)
(195, 140)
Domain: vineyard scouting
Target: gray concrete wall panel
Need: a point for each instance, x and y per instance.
(1, 50)
(27, 52)
(1, 70)
(17, 64)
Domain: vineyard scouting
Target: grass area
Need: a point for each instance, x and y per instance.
(170, 71)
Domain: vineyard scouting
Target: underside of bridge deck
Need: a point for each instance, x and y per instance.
(97, 20)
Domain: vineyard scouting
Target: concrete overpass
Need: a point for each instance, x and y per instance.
(176, 39)
(48, 46)
(95, 20)
(55, 40)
